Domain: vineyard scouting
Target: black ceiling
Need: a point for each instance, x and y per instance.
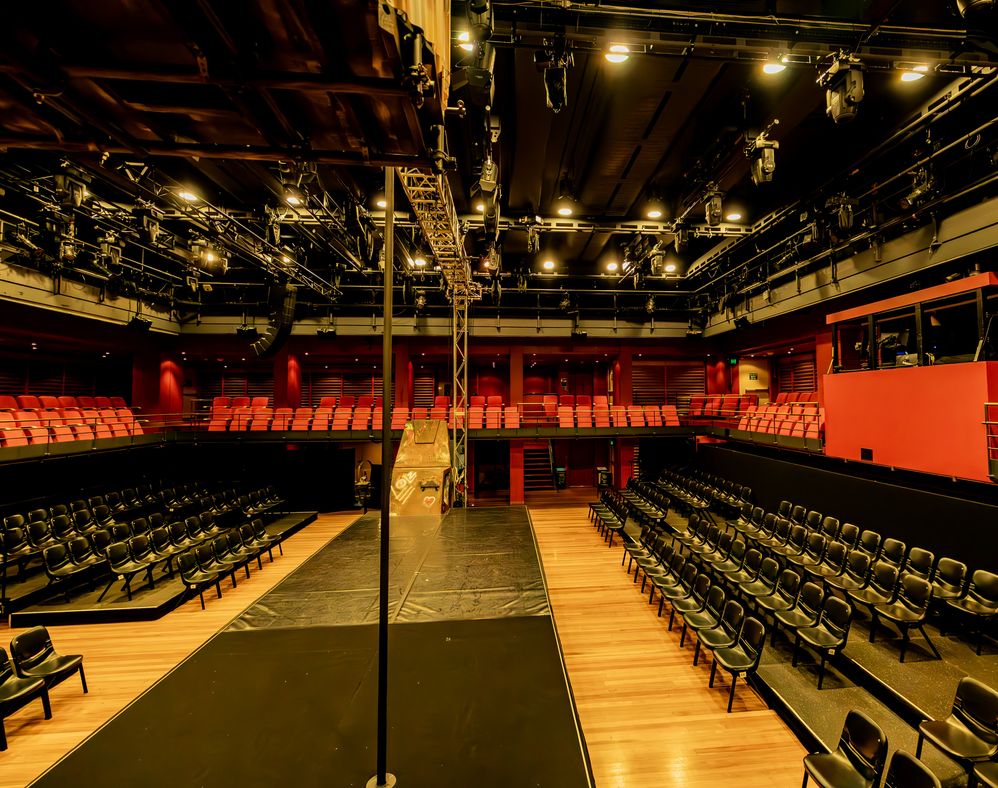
(240, 102)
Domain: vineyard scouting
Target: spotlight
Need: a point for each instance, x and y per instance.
(922, 185)
(843, 83)
(326, 333)
(140, 323)
(419, 262)
(464, 39)
(843, 208)
(187, 196)
(554, 62)
(578, 333)
(612, 266)
(247, 332)
(208, 259)
(380, 201)
(761, 151)
(914, 74)
(653, 213)
(670, 268)
(480, 206)
(976, 10)
(681, 239)
(734, 216)
(565, 204)
(565, 209)
(773, 67)
(478, 77)
(293, 198)
(420, 302)
(71, 189)
(742, 322)
(480, 19)
(713, 208)
(488, 185)
(617, 53)
(565, 304)
(549, 265)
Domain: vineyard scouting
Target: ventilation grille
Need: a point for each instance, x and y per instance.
(796, 373)
(648, 384)
(423, 391)
(684, 380)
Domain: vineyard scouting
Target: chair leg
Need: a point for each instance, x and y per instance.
(904, 641)
(280, 549)
(106, 589)
(918, 747)
(713, 670)
(731, 694)
(804, 784)
(682, 636)
(929, 641)
(218, 589)
(821, 670)
(793, 661)
(46, 705)
(201, 597)
(83, 679)
(3, 736)
(696, 652)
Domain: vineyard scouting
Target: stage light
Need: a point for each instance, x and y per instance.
(480, 206)
(419, 262)
(734, 216)
(293, 198)
(774, 67)
(617, 53)
(380, 201)
(480, 19)
(653, 213)
(976, 10)
(713, 208)
(565, 304)
(681, 239)
(650, 305)
(464, 39)
(565, 210)
(549, 265)
(843, 83)
(187, 196)
(916, 73)
(670, 268)
(761, 152)
(553, 63)
(612, 266)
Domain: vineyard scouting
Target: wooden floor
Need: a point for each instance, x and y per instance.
(648, 717)
(123, 660)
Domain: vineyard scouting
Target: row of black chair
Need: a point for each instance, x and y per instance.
(35, 669)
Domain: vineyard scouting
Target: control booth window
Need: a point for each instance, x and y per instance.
(852, 345)
(950, 333)
(896, 339)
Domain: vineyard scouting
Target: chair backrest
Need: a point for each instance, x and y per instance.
(984, 587)
(31, 647)
(813, 521)
(187, 564)
(80, 549)
(951, 572)
(732, 617)
(836, 554)
(884, 579)
(869, 542)
(858, 565)
(919, 563)
(849, 535)
(892, 551)
(906, 771)
(769, 572)
(836, 616)
(976, 706)
(810, 598)
(798, 514)
(788, 585)
(915, 593)
(864, 745)
(785, 508)
(752, 639)
(830, 527)
(55, 556)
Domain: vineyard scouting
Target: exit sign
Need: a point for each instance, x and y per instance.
(753, 375)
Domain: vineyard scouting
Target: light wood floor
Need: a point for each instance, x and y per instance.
(647, 714)
(648, 717)
(123, 660)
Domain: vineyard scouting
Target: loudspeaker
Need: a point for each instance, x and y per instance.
(282, 317)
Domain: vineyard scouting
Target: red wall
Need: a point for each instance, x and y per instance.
(921, 418)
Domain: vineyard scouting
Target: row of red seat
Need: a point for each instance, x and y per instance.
(795, 396)
(711, 406)
(46, 402)
(25, 427)
(803, 420)
(342, 417)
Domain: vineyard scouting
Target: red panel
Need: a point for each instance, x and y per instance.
(516, 485)
(171, 385)
(921, 418)
(918, 296)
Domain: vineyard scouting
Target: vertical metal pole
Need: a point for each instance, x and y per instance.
(386, 479)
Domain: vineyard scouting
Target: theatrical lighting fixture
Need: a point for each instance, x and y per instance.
(380, 201)
(843, 84)
(742, 322)
(650, 305)
(774, 66)
(247, 332)
(761, 151)
(488, 185)
(565, 207)
(914, 73)
(713, 208)
(478, 77)
(140, 323)
(420, 302)
(922, 185)
(681, 239)
(578, 333)
(565, 204)
(419, 262)
(464, 39)
(565, 304)
(548, 265)
(612, 266)
(553, 62)
(329, 332)
(617, 53)
(480, 19)
(670, 268)
(208, 259)
(843, 208)
(533, 239)
(71, 188)
(653, 213)
(480, 206)
(734, 216)
(293, 198)
(187, 196)
(976, 10)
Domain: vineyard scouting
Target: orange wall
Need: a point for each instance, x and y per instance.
(921, 418)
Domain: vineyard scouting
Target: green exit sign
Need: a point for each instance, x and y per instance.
(732, 361)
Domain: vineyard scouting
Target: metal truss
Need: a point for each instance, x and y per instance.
(459, 430)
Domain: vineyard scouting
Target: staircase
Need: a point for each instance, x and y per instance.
(538, 474)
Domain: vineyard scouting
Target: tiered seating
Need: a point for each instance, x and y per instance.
(719, 406)
(137, 531)
(27, 419)
(797, 420)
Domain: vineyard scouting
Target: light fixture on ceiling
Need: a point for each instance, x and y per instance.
(976, 10)
(843, 84)
(187, 196)
(617, 53)
(734, 216)
(612, 266)
(565, 208)
(653, 213)
(914, 73)
(761, 152)
(553, 62)
(419, 262)
(293, 198)
(776, 66)
(480, 206)
(380, 201)
(490, 190)
(464, 41)
(670, 268)
(480, 19)
(565, 204)
(713, 207)
(548, 265)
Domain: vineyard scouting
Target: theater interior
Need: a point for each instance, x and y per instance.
(518, 392)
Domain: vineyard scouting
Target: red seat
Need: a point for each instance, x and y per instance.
(550, 403)
(743, 422)
(584, 400)
(322, 417)
(38, 434)
(439, 412)
(51, 418)
(346, 401)
(493, 415)
(126, 417)
(441, 401)
(221, 402)
(566, 400)
(601, 400)
(566, 416)
(102, 402)
(240, 402)
(7, 402)
(477, 401)
(261, 418)
(118, 402)
(636, 415)
(697, 405)
(365, 401)
(67, 402)
(302, 419)
(327, 402)
(86, 402)
(512, 418)
(781, 398)
(378, 417)
(476, 416)
(361, 415)
(341, 417)
(601, 415)
(13, 436)
(670, 416)
(493, 402)
(82, 432)
(420, 413)
(399, 417)
(619, 415)
(786, 417)
(240, 418)
(49, 402)
(220, 418)
(282, 419)
(653, 416)
(28, 402)
(62, 434)
(584, 415)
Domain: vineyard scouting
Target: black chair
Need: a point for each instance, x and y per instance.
(949, 579)
(742, 659)
(784, 596)
(209, 563)
(706, 618)
(748, 572)
(906, 771)
(40, 535)
(239, 548)
(907, 612)
(849, 536)
(38, 516)
(220, 547)
(725, 634)
(60, 569)
(34, 658)
(17, 550)
(694, 602)
(830, 528)
(893, 551)
(16, 693)
(869, 543)
(855, 576)
(919, 564)
(880, 590)
(828, 636)
(249, 537)
(857, 761)
(57, 509)
(123, 567)
(197, 579)
(812, 555)
(764, 583)
(970, 733)
(980, 601)
(63, 529)
(833, 564)
(807, 610)
(78, 505)
(680, 589)
(81, 552)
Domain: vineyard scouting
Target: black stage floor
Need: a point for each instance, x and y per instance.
(286, 695)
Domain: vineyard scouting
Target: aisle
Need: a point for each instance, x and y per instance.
(647, 714)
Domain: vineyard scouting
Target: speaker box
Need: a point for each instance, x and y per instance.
(282, 318)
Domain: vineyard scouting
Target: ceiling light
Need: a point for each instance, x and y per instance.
(480, 207)
(612, 266)
(292, 199)
(464, 37)
(381, 202)
(843, 84)
(914, 75)
(734, 216)
(670, 268)
(419, 262)
(773, 68)
(187, 196)
(565, 210)
(618, 53)
(549, 265)
(653, 213)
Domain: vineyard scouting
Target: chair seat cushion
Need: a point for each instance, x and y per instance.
(899, 613)
(820, 637)
(968, 605)
(957, 740)
(54, 666)
(832, 770)
(14, 690)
